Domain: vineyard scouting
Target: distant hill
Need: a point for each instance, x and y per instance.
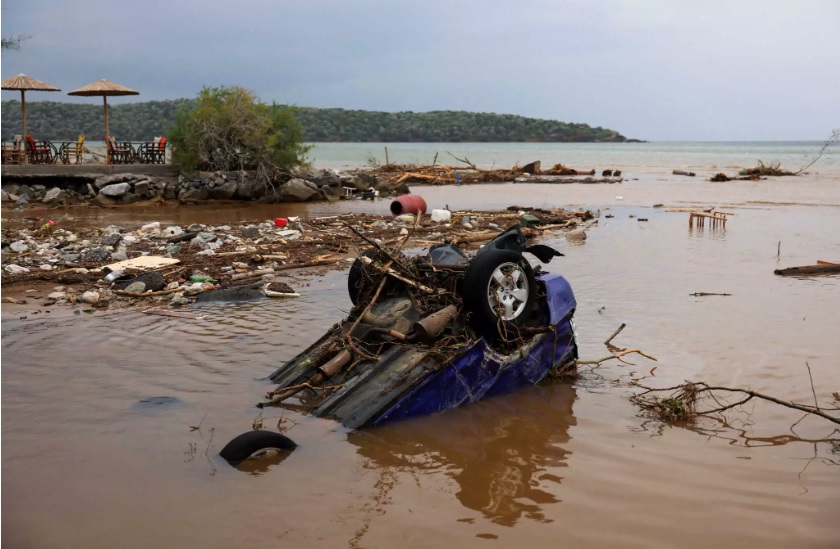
(144, 120)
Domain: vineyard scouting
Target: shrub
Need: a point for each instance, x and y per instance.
(229, 128)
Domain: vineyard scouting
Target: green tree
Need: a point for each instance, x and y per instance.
(229, 128)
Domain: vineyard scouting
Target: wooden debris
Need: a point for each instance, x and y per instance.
(822, 267)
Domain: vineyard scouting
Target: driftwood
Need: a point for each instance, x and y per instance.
(822, 267)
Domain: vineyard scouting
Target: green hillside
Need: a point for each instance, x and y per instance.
(144, 120)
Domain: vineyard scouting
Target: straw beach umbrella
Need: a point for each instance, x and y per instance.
(25, 83)
(104, 88)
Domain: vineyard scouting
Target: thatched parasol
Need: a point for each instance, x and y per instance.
(25, 83)
(104, 88)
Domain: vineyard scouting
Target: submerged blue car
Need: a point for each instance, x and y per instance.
(427, 334)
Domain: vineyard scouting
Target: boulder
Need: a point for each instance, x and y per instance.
(298, 190)
(102, 200)
(141, 188)
(193, 194)
(225, 191)
(115, 190)
(250, 189)
(106, 180)
(6, 197)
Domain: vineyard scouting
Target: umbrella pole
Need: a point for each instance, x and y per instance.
(23, 111)
(107, 135)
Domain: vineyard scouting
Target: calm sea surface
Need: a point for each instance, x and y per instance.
(641, 157)
(98, 448)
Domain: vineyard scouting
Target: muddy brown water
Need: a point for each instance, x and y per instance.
(98, 449)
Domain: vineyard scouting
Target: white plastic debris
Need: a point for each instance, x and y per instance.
(441, 215)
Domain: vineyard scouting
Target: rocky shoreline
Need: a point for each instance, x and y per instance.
(129, 188)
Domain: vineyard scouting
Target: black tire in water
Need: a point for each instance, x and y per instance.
(248, 444)
(360, 286)
(499, 291)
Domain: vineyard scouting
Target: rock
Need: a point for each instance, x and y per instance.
(54, 195)
(19, 246)
(6, 197)
(208, 251)
(46, 267)
(170, 191)
(207, 236)
(117, 189)
(102, 200)
(155, 226)
(250, 189)
(194, 194)
(119, 255)
(193, 289)
(137, 287)
(251, 232)
(90, 297)
(173, 230)
(15, 269)
(129, 239)
(107, 180)
(576, 234)
(111, 239)
(173, 285)
(9, 300)
(130, 198)
(195, 227)
(97, 255)
(57, 295)
(298, 190)
(225, 191)
(151, 280)
(22, 199)
(364, 181)
(141, 188)
(69, 258)
(178, 300)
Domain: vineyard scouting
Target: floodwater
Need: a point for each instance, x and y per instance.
(99, 448)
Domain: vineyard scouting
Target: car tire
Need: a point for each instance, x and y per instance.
(499, 291)
(359, 285)
(252, 442)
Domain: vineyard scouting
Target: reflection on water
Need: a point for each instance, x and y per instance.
(504, 453)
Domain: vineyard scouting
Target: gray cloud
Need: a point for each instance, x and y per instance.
(654, 69)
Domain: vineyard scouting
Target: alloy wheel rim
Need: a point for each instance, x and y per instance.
(507, 291)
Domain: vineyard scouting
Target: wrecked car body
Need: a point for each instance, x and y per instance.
(434, 332)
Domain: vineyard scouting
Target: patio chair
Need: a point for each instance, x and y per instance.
(154, 152)
(120, 153)
(71, 153)
(12, 152)
(40, 152)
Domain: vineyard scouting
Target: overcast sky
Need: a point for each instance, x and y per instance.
(651, 69)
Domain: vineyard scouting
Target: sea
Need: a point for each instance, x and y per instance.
(651, 157)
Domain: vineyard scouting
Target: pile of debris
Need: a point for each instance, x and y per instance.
(467, 173)
(178, 265)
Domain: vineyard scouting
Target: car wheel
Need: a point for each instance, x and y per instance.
(499, 290)
(254, 442)
(361, 285)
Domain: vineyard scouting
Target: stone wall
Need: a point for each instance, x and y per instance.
(128, 188)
